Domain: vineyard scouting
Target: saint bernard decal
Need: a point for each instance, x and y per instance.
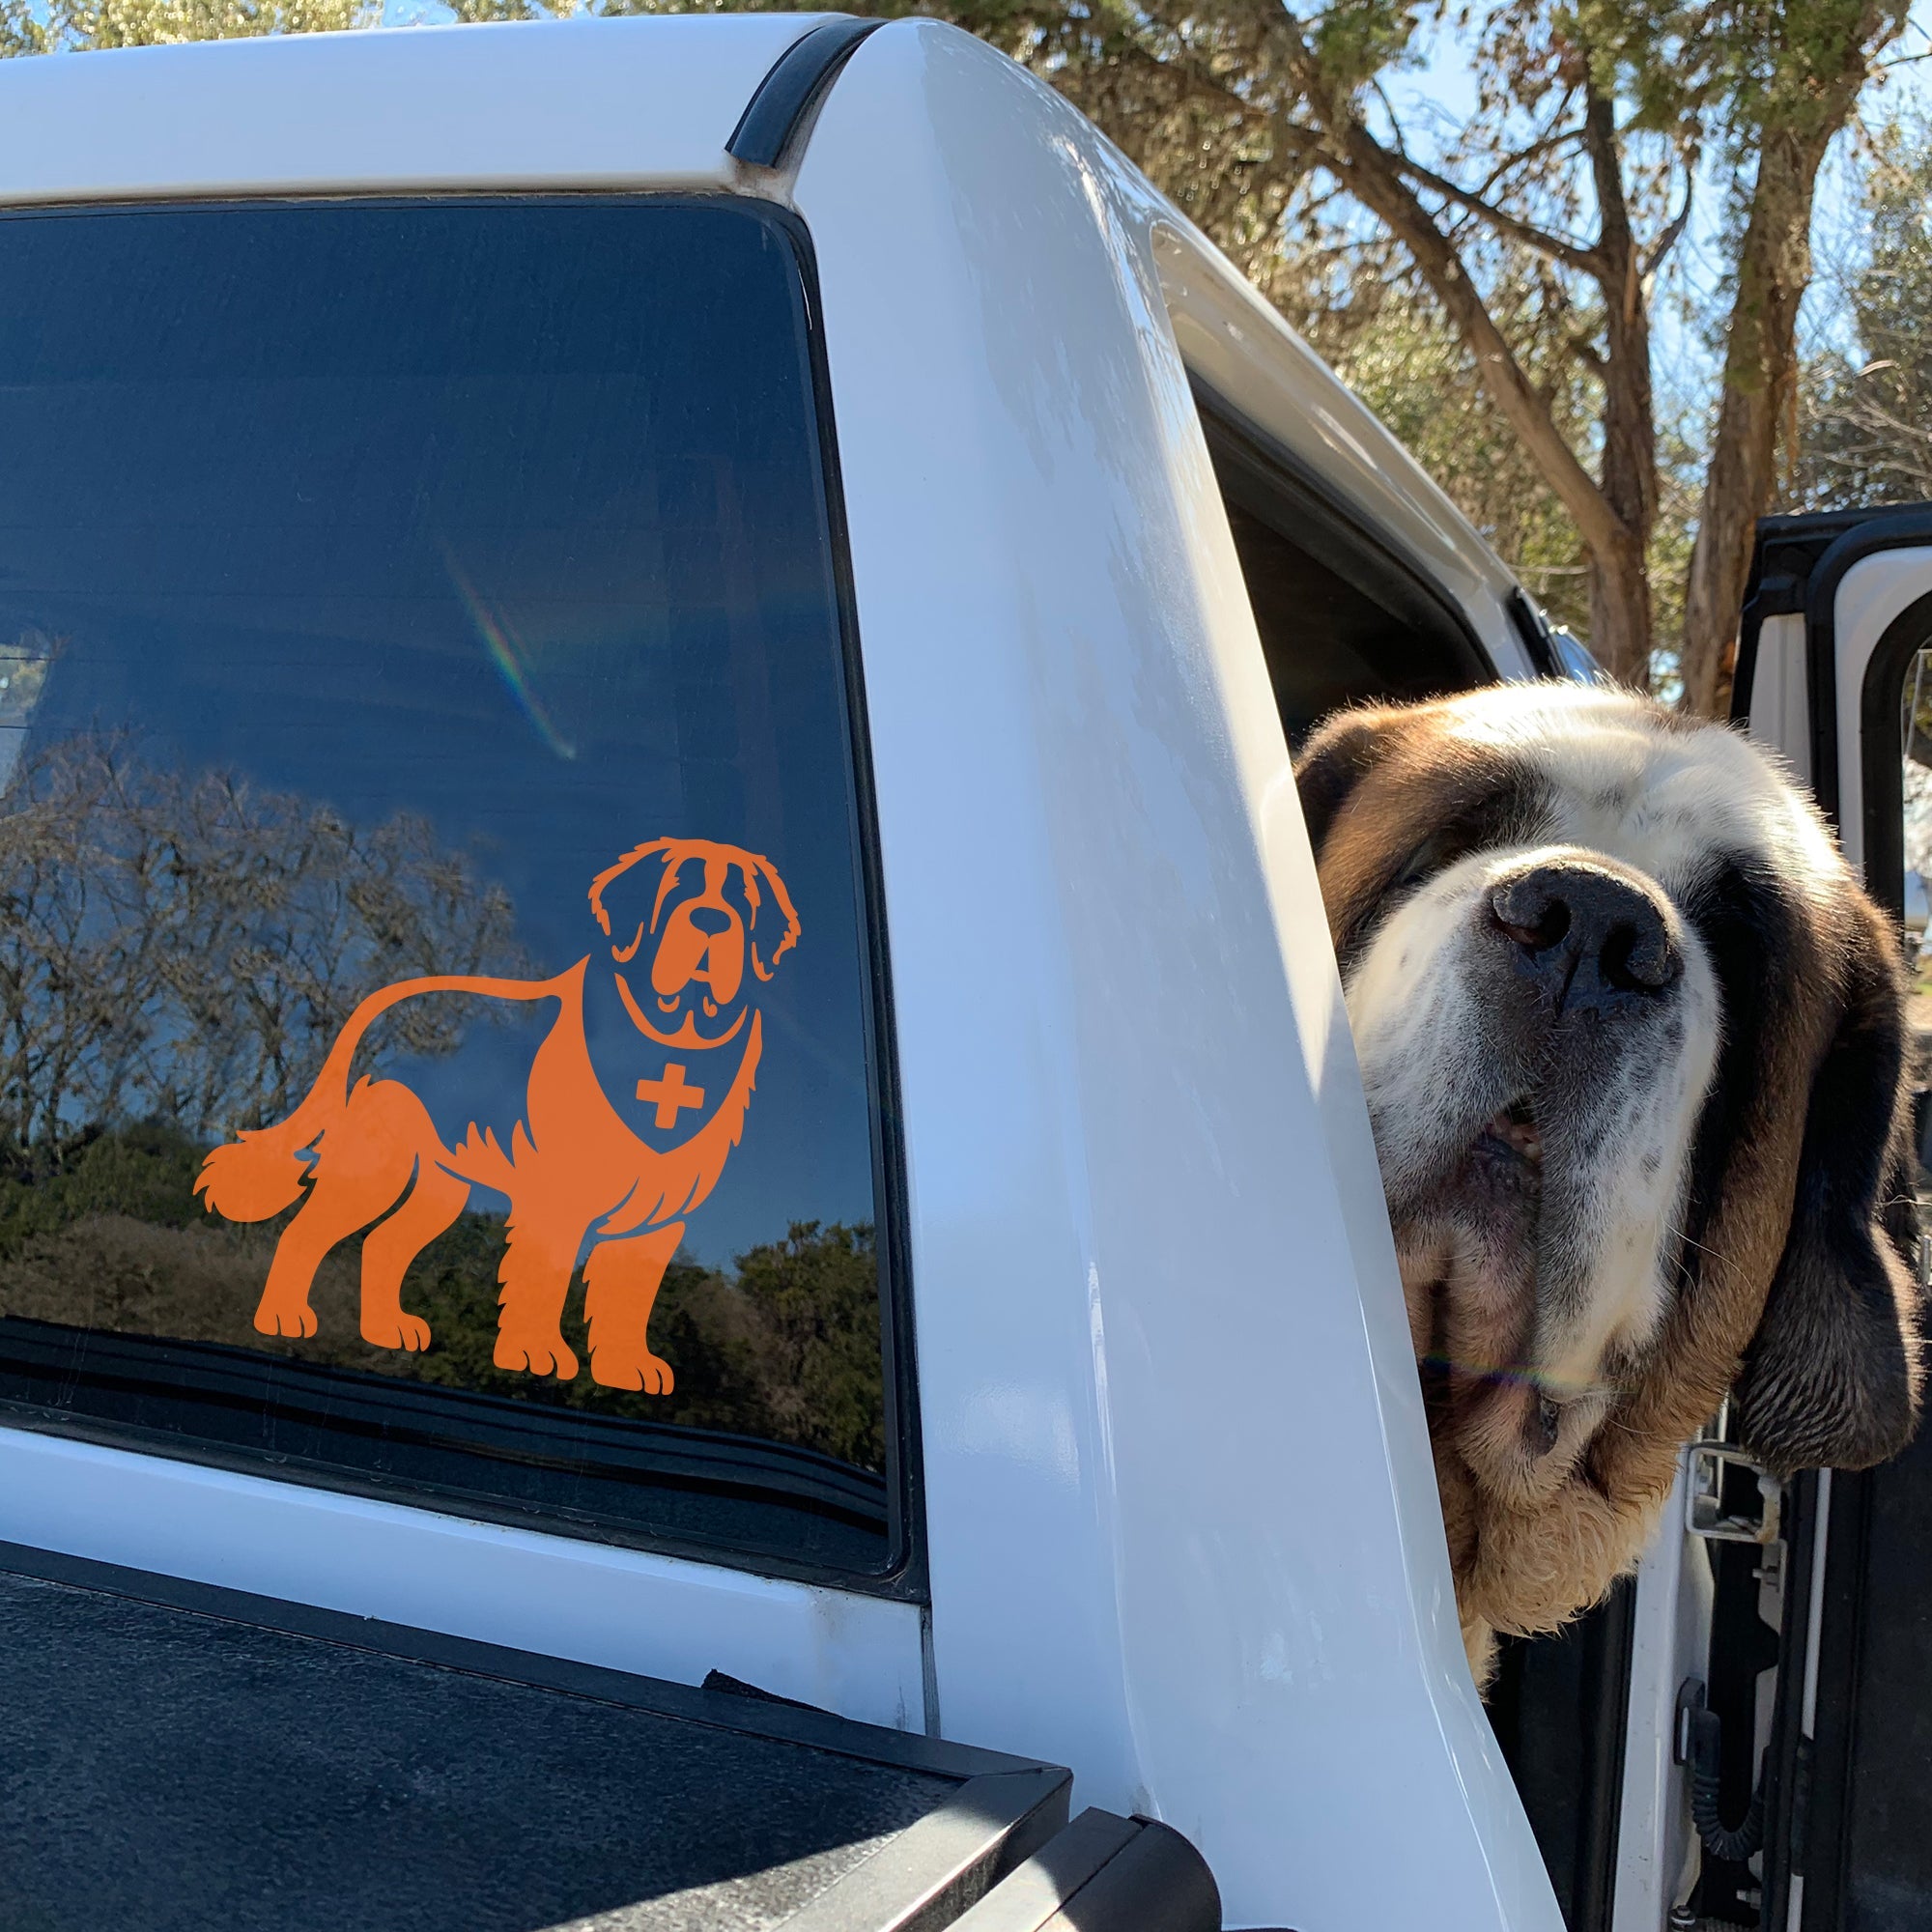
(711, 924)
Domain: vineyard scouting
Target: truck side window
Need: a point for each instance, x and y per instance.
(1340, 619)
(440, 1057)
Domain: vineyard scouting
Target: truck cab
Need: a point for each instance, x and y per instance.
(754, 557)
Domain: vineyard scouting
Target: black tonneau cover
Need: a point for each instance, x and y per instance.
(174, 1756)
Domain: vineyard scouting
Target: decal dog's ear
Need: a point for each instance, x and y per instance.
(774, 922)
(1832, 1379)
(661, 849)
(1341, 751)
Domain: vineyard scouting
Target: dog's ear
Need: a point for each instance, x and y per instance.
(1339, 754)
(774, 922)
(1831, 1380)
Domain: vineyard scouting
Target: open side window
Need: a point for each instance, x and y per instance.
(1343, 618)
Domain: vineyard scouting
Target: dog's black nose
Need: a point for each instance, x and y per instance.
(1586, 937)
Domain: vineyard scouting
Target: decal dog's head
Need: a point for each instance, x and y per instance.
(1635, 1051)
(699, 926)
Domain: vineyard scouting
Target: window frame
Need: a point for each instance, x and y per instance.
(903, 1574)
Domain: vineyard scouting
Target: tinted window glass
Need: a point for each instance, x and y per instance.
(437, 1053)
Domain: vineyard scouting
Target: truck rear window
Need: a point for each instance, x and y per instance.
(438, 1047)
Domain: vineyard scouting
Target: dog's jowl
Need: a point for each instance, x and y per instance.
(1634, 1044)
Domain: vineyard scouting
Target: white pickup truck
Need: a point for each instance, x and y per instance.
(752, 565)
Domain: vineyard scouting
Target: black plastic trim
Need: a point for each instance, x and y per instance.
(1882, 788)
(1538, 646)
(905, 1498)
(1105, 1874)
(800, 79)
(1798, 564)
(1787, 1853)
(1032, 1895)
(925, 1876)
(1785, 554)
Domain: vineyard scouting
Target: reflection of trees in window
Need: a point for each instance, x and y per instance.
(183, 948)
(784, 1348)
(176, 955)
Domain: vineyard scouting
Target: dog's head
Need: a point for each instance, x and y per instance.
(1635, 1050)
(702, 925)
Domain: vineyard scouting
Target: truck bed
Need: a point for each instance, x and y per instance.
(178, 1757)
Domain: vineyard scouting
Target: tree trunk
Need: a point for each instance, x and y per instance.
(1760, 372)
(1761, 356)
(1619, 633)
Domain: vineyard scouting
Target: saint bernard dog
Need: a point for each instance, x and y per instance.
(1635, 1047)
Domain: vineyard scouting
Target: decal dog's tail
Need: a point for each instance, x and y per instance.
(262, 1169)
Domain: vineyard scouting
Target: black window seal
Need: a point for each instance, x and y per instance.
(1883, 813)
(1532, 629)
(904, 1575)
(801, 76)
(1380, 562)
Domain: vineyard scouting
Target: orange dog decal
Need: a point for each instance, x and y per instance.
(575, 1172)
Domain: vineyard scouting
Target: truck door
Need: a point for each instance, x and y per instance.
(1836, 668)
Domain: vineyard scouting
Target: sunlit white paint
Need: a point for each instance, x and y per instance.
(562, 105)
(558, 1596)
(1873, 592)
(1184, 1528)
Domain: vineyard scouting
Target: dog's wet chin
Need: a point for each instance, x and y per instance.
(1468, 1268)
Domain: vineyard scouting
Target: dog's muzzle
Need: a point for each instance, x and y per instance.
(1582, 941)
(1580, 971)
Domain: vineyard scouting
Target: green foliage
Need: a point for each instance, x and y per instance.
(111, 1236)
(1402, 358)
(1244, 115)
(188, 947)
(145, 1172)
(68, 24)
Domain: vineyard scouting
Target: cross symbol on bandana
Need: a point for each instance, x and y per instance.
(671, 1093)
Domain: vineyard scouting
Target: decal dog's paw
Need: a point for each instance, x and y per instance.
(650, 1374)
(549, 1358)
(296, 1321)
(399, 1330)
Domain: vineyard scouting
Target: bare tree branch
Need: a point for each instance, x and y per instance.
(1555, 248)
(1660, 248)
